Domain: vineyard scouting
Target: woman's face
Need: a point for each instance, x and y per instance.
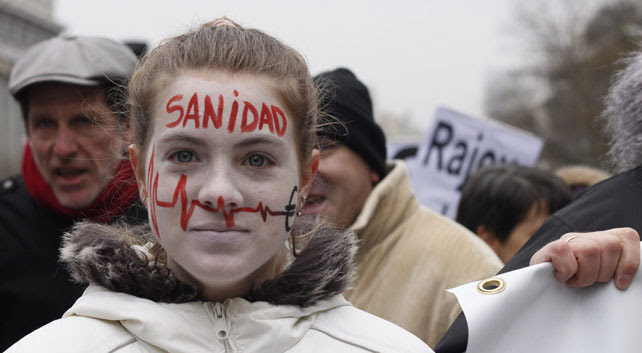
(221, 176)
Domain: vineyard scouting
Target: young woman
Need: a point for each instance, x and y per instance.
(224, 125)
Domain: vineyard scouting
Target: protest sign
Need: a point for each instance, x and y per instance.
(457, 145)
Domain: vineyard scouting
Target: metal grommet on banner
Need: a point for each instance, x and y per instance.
(491, 286)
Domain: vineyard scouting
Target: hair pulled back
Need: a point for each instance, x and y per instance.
(231, 49)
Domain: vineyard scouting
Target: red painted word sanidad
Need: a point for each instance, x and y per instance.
(202, 113)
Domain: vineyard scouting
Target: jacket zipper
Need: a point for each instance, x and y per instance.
(220, 322)
(221, 330)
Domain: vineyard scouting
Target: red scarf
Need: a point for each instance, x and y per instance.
(118, 195)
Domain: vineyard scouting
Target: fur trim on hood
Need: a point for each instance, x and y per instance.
(103, 255)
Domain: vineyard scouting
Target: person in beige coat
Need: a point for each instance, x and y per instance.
(408, 255)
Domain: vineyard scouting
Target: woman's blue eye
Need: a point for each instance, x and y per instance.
(184, 156)
(256, 160)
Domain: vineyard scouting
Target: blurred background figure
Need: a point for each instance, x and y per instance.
(580, 177)
(406, 152)
(138, 47)
(408, 255)
(22, 25)
(70, 89)
(612, 203)
(505, 204)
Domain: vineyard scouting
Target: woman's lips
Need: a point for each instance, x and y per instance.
(217, 228)
(220, 237)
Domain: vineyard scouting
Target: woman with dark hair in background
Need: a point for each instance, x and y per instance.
(506, 204)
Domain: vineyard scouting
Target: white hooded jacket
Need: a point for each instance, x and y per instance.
(146, 309)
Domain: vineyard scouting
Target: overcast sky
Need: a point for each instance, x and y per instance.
(413, 55)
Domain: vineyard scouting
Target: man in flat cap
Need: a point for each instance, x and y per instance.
(70, 89)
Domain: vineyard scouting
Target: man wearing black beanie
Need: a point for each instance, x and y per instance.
(348, 99)
(408, 255)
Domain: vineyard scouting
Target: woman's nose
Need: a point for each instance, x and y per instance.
(220, 189)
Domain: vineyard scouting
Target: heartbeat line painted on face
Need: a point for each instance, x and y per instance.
(187, 207)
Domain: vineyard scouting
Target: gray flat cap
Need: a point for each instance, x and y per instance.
(79, 60)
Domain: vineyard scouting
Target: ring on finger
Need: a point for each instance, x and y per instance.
(568, 240)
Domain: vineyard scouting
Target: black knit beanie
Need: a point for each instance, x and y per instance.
(345, 98)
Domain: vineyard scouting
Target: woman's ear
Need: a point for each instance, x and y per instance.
(309, 173)
(138, 172)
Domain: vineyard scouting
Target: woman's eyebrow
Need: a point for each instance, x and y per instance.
(182, 137)
(256, 140)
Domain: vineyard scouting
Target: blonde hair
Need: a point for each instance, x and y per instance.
(231, 49)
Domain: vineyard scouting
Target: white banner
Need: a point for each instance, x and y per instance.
(455, 146)
(534, 313)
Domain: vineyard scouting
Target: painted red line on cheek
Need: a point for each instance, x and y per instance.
(186, 212)
(264, 211)
(179, 191)
(154, 191)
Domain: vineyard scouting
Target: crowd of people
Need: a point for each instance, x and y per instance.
(214, 196)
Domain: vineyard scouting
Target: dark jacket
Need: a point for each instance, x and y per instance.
(613, 203)
(34, 288)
